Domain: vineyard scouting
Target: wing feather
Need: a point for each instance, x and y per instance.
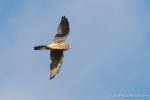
(57, 61)
(62, 31)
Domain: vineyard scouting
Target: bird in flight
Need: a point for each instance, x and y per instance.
(57, 47)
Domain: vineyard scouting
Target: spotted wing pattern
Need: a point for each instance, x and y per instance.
(62, 31)
(57, 58)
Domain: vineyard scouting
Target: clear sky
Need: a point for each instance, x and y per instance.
(110, 52)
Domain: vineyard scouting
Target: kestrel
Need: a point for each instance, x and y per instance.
(57, 47)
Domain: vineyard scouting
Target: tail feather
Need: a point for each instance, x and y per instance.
(41, 47)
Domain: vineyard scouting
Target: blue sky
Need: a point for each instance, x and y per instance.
(110, 49)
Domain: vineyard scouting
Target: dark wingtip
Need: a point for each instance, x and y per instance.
(52, 77)
(64, 18)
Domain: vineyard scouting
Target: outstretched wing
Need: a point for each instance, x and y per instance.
(62, 31)
(57, 60)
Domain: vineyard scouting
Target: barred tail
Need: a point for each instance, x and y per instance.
(41, 47)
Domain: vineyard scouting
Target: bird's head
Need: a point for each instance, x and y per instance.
(67, 47)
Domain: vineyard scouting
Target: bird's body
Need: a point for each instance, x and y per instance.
(57, 47)
(54, 46)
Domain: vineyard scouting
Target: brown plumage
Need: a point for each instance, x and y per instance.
(57, 47)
